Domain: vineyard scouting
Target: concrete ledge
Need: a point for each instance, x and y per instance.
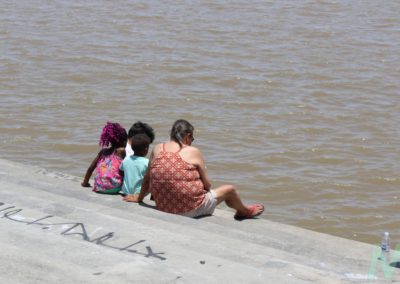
(55, 231)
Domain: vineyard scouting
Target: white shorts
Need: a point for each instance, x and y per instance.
(207, 208)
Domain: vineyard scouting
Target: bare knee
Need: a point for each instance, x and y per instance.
(230, 188)
(225, 191)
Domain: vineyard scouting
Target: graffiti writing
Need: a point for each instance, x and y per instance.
(79, 229)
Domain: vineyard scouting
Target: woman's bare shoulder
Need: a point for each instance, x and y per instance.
(191, 150)
(191, 155)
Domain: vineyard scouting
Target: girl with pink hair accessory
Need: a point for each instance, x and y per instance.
(108, 177)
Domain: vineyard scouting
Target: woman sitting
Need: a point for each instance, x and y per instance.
(178, 181)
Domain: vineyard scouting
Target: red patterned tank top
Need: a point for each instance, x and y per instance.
(175, 184)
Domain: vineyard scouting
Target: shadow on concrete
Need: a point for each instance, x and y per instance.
(147, 205)
(202, 217)
(395, 264)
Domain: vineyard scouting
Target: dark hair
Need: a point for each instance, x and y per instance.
(141, 128)
(140, 143)
(114, 134)
(180, 129)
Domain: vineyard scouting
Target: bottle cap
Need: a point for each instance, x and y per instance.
(386, 233)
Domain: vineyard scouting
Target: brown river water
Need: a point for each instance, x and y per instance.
(297, 103)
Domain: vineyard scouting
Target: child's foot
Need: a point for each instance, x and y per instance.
(131, 198)
(252, 211)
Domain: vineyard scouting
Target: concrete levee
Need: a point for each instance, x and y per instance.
(55, 231)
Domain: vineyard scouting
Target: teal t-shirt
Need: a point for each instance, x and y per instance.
(134, 168)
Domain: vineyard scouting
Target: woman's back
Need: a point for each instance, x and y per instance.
(175, 184)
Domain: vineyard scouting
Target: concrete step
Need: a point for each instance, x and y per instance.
(59, 232)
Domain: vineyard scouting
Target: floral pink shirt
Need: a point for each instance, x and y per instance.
(108, 175)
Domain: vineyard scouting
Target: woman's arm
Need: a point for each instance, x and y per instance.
(146, 180)
(203, 173)
(145, 187)
(192, 155)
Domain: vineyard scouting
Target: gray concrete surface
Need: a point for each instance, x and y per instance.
(55, 231)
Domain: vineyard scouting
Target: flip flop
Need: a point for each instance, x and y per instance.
(251, 213)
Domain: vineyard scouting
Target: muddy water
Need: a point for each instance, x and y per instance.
(295, 102)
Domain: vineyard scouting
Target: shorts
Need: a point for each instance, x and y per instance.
(206, 208)
(109, 191)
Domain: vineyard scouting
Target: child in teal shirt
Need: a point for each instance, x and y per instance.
(135, 167)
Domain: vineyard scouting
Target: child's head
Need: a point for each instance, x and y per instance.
(114, 134)
(141, 128)
(140, 144)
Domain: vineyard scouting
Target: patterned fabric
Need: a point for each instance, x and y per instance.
(108, 175)
(175, 184)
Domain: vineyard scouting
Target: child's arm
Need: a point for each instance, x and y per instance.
(90, 170)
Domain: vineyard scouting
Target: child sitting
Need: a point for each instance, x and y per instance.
(138, 128)
(135, 167)
(108, 178)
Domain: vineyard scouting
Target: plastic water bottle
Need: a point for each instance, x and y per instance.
(385, 247)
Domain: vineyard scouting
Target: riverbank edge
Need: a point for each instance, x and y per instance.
(169, 248)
